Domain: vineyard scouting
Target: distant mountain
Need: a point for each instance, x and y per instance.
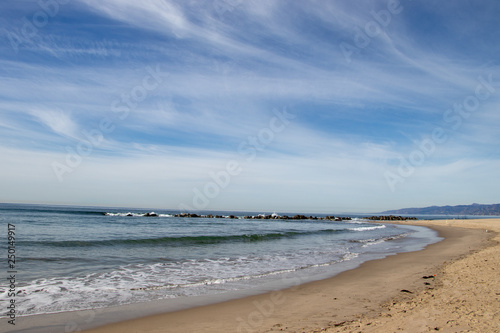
(474, 209)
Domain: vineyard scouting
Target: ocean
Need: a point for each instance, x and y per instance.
(76, 258)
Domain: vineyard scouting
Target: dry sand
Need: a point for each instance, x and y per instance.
(386, 295)
(463, 297)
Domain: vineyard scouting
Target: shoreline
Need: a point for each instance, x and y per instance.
(311, 306)
(464, 296)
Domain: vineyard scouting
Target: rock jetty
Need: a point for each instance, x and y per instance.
(267, 217)
(273, 216)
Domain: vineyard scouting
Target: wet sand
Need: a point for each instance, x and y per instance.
(385, 295)
(463, 297)
(342, 303)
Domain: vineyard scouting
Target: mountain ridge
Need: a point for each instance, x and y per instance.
(473, 209)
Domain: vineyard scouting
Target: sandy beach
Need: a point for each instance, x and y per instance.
(463, 297)
(451, 286)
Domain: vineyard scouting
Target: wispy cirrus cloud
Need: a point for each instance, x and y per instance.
(228, 65)
(57, 120)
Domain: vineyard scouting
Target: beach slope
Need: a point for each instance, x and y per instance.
(452, 285)
(463, 297)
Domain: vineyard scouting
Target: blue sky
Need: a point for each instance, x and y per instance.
(287, 106)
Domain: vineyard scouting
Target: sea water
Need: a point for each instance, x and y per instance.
(76, 258)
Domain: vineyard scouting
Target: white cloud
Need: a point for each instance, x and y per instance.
(228, 69)
(58, 121)
(157, 15)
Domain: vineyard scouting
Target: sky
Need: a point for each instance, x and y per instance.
(267, 106)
